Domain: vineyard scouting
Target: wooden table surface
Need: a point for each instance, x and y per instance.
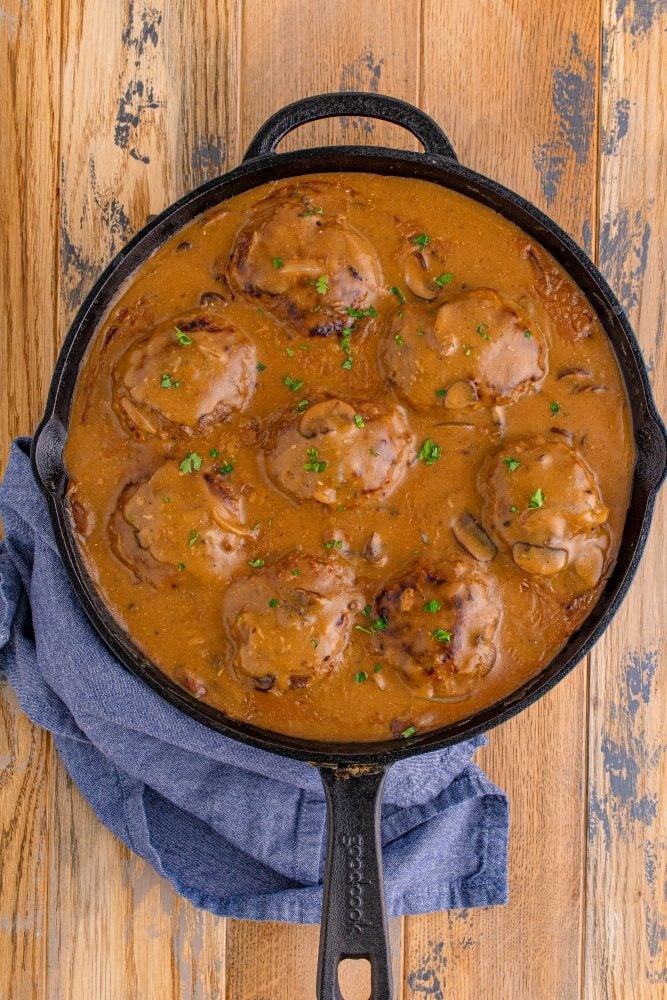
(110, 111)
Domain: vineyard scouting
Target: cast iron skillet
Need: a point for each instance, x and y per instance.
(353, 914)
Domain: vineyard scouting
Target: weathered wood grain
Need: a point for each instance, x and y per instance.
(521, 109)
(29, 85)
(626, 927)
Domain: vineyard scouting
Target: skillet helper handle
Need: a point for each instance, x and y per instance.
(344, 103)
(354, 921)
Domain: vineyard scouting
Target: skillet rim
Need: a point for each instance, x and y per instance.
(649, 435)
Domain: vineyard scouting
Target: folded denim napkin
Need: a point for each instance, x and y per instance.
(236, 830)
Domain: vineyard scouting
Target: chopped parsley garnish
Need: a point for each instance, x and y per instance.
(260, 366)
(361, 313)
(399, 340)
(166, 499)
(429, 452)
(255, 527)
(182, 338)
(481, 329)
(379, 625)
(444, 279)
(274, 602)
(512, 464)
(296, 572)
(440, 393)
(314, 643)
(322, 284)
(514, 509)
(368, 611)
(527, 334)
(167, 382)
(407, 733)
(213, 452)
(303, 347)
(467, 350)
(536, 499)
(194, 535)
(347, 364)
(377, 668)
(191, 463)
(345, 341)
(333, 543)
(360, 677)
(554, 407)
(374, 452)
(359, 421)
(277, 262)
(180, 567)
(421, 333)
(442, 634)
(293, 383)
(398, 293)
(289, 352)
(314, 464)
(311, 211)
(339, 509)
(255, 563)
(225, 468)
(421, 241)
(301, 406)
(432, 607)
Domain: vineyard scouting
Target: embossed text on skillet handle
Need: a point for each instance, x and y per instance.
(354, 921)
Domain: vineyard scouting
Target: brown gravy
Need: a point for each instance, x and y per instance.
(350, 457)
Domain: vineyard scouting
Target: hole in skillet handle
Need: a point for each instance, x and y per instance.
(354, 104)
(354, 919)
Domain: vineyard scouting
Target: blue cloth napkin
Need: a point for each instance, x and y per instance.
(236, 830)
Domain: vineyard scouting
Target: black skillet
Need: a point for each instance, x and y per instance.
(353, 913)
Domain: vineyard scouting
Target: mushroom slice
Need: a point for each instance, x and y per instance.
(417, 277)
(471, 536)
(540, 560)
(459, 395)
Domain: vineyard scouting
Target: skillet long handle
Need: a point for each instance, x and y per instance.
(354, 921)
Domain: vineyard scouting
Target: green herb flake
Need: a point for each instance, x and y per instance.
(440, 393)
(293, 383)
(255, 527)
(255, 563)
(322, 284)
(303, 347)
(278, 262)
(213, 452)
(368, 611)
(398, 293)
(167, 382)
(399, 340)
(514, 509)
(481, 329)
(333, 543)
(377, 668)
(289, 352)
(225, 468)
(191, 463)
(512, 464)
(302, 405)
(361, 313)
(421, 333)
(362, 628)
(554, 407)
(260, 366)
(311, 211)
(380, 625)
(421, 241)
(444, 279)
(347, 364)
(359, 421)
(339, 509)
(296, 572)
(194, 535)
(527, 334)
(432, 607)
(166, 499)
(181, 566)
(182, 338)
(360, 677)
(467, 350)
(314, 464)
(407, 733)
(442, 634)
(274, 602)
(314, 643)
(374, 452)
(536, 499)
(429, 452)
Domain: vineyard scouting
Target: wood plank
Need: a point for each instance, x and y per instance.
(525, 114)
(626, 925)
(284, 61)
(29, 83)
(149, 110)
